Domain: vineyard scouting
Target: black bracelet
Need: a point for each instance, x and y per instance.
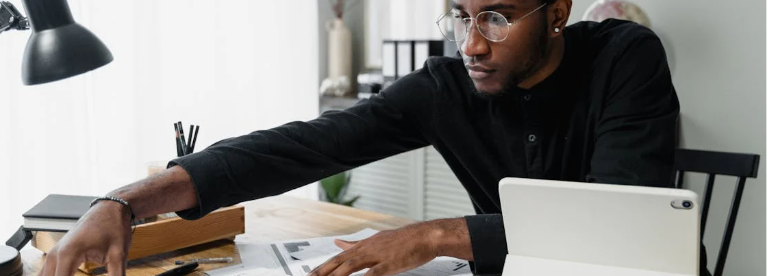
(116, 199)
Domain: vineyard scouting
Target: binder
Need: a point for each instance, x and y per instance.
(389, 60)
(404, 60)
(402, 57)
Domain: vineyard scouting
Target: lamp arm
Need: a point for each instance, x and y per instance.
(11, 18)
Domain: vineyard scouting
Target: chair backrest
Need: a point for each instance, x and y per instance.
(717, 163)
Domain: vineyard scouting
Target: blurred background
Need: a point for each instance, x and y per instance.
(235, 66)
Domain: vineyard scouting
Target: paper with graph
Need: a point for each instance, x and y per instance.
(298, 257)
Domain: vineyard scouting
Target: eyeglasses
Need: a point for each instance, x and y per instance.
(492, 25)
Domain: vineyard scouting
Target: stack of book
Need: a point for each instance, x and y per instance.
(56, 213)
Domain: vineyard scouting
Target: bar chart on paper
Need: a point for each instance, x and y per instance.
(298, 257)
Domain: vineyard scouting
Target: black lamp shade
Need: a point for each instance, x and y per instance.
(59, 47)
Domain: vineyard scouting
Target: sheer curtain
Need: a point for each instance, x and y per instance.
(231, 66)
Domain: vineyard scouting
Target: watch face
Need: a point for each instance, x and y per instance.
(10, 261)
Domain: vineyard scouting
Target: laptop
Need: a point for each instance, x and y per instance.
(571, 228)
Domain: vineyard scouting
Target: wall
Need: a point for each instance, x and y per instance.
(716, 50)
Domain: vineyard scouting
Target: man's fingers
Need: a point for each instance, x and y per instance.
(116, 264)
(49, 265)
(345, 245)
(350, 266)
(330, 265)
(66, 264)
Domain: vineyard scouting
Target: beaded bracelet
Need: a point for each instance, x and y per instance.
(118, 200)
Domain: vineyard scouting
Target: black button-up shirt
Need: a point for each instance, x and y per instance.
(607, 114)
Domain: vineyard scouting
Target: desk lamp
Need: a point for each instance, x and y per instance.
(59, 47)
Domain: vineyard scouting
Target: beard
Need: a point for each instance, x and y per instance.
(525, 69)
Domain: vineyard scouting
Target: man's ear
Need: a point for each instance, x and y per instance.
(557, 15)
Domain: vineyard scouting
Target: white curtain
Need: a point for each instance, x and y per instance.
(231, 66)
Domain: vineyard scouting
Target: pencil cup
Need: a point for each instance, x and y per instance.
(156, 167)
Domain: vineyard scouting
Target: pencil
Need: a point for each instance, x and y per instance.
(190, 142)
(176, 139)
(182, 136)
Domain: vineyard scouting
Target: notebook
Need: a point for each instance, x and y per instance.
(56, 213)
(571, 228)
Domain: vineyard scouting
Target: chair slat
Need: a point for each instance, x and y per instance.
(729, 228)
(707, 199)
(679, 179)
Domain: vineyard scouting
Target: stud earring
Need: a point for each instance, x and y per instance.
(556, 30)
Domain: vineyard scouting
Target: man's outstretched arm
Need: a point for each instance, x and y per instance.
(256, 165)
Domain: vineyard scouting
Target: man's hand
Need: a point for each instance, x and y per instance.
(102, 236)
(396, 251)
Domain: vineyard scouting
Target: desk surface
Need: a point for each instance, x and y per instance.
(268, 219)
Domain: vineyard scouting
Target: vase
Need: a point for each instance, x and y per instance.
(339, 51)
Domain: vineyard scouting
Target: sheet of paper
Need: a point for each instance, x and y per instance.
(259, 272)
(298, 257)
(325, 247)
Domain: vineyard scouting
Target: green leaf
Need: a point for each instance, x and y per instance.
(334, 184)
(350, 203)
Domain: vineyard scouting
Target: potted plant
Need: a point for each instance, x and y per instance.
(334, 189)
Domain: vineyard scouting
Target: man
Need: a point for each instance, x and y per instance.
(530, 97)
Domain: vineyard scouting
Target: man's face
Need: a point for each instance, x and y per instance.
(497, 67)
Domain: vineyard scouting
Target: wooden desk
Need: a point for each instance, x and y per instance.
(269, 219)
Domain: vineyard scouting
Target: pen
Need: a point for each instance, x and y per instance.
(176, 138)
(180, 270)
(207, 261)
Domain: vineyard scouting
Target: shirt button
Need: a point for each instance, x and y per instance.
(526, 97)
(532, 138)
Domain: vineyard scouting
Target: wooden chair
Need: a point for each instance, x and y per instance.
(717, 163)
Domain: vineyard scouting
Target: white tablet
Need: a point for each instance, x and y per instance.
(573, 228)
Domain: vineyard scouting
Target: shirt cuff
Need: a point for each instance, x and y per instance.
(207, 174)
(488, 243)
